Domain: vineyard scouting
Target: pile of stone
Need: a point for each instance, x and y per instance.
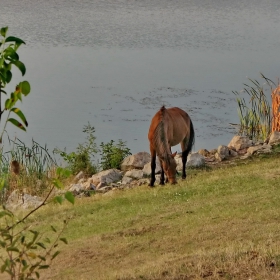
(136, 169)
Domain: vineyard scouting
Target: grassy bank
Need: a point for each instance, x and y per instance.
(220, 223)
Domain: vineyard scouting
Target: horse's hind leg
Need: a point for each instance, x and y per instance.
(153, 167)
(185, 153)
(184, 160)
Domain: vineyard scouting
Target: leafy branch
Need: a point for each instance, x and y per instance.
(8, 58)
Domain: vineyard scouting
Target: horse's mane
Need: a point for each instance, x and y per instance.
(159, 139)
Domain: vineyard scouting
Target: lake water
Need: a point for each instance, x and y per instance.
(114, 63)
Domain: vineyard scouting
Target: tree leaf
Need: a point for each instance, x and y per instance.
(59, 171)
(20, 114)
(3, 268)
(64, 240)
(20, 66)
(42, 245)
(24, 87)
(47, 240)
(43, 266)
(3, 31)
(58, 199)
(53, 228)
(42, 258)
(5, 213)
(31, 255)
(14, 249)
(11, 55)
(14, 39)
(8, 76)
(57, 183)
(16, 123)
(24, 263)
(70, 197)
(8, 104)
(55, 254)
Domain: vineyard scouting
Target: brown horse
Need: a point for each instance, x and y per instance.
(168, 128)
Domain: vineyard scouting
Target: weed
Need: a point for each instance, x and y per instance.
(255, 119)
(113, 155)
(82, 159)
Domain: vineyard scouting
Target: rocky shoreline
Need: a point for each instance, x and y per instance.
(135, 169)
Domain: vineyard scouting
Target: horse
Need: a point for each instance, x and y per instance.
(168, 128)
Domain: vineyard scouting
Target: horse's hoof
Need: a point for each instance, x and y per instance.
(184, 177)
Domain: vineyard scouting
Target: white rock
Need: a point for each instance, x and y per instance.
(240, 142)
(195, 160)
(18, 200)
(136, 161)
(106, 176)
(274, 138)
(79, 176)
(126, 180)
(178, 159)
(134, 173)
(147, 168)
(76, 188)
(223, 151)
(233, 153)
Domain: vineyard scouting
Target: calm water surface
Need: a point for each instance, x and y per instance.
(115, 63)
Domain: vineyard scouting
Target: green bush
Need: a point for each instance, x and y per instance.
(82, 159)
(113, 155)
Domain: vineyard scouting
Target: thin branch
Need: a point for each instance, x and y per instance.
(34, 210)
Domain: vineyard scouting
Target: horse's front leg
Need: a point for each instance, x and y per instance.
(162, 176)
(153, 168)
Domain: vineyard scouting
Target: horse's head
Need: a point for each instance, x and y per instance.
(169, 168)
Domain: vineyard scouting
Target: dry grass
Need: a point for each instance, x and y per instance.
(218, 224)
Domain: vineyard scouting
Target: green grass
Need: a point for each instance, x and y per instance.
(220, 223)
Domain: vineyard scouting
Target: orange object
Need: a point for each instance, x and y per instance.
(275, 96)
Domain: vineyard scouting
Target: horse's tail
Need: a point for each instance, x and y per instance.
(191, 138)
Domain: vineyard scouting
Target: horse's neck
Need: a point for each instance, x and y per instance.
(162, 141)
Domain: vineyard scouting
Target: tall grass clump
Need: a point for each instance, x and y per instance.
(254, 109)
(36, 159)
(36, 166)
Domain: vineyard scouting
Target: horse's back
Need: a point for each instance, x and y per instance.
(179, 125)
(176, 124)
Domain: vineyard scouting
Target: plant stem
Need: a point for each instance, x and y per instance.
(32, 211)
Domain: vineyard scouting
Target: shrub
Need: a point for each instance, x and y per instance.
(82, 159)
(113, 155)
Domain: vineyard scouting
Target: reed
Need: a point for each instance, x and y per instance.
(254, 109)
(36, 165)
